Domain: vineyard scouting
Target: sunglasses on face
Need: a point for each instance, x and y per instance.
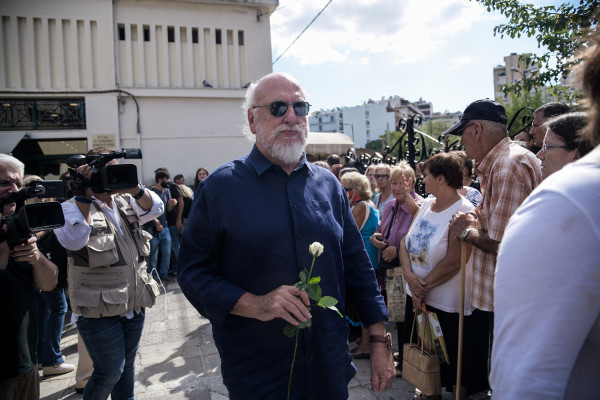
(279, 108)
(347, 189)
(377, 176)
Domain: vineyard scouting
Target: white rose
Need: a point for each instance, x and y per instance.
(315, 249)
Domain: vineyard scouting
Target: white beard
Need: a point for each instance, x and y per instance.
(287, 152)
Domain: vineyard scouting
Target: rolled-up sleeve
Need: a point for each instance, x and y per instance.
(158, 207)
(75, 234)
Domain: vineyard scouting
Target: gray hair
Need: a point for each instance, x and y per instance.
(10, 163)
(496, 129)
(249, 100)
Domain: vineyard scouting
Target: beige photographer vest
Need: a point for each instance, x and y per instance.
(108, 276)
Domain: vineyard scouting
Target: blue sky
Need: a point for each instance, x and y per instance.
(443, 51)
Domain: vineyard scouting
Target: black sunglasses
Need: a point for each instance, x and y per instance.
(279, 108)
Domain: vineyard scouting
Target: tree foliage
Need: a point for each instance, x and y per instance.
(562, 30)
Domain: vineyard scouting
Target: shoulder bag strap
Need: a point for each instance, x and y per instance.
(387, 236)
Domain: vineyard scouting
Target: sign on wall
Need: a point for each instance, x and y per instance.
(108, 141)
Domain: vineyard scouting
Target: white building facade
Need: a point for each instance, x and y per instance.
(166, 76)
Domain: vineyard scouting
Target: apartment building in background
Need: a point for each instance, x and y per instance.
(166, 76)
(368, 121)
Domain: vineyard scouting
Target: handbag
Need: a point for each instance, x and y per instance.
(420, 367)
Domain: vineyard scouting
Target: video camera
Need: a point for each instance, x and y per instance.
(32, 218)
(105, 178)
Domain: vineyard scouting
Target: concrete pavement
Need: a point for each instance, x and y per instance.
(178, 359)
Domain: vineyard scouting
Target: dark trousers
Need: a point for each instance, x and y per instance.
(24, 387)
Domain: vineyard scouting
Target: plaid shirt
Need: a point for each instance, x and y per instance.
(508, 173)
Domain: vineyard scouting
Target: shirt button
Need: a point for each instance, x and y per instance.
(312, 356)
(299, 236)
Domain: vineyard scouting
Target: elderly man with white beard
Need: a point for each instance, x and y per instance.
(247, 240)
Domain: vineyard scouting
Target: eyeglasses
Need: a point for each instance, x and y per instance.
(461, 131)
(347, 189)
(279, 108)
(377, 176)
(10, 182)
(546, 147)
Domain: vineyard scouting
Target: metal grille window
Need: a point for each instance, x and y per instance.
(33, 114)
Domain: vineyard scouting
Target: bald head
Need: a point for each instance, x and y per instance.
(276, 107)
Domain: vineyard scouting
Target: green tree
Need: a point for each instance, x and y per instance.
(562, 30)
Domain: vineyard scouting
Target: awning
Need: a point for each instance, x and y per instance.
(9, 140)
(326, 143)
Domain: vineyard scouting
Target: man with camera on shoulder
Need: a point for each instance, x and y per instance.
(109, 287)
(23, 272)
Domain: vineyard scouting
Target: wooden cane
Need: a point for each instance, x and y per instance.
(461, 319)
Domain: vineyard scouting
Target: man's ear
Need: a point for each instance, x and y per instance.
(251, 122)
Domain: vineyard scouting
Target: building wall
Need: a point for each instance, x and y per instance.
(326, 120)
(368, 121)
(153, 53)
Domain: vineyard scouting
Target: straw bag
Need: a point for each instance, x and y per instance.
(419, 367)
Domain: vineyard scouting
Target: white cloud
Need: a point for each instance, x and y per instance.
(460, 62)
(364, 61)
(348, 31)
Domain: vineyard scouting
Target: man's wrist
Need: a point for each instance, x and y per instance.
(465, 234)
(382, 339)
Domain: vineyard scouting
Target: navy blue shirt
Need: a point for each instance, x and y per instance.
(249, 230)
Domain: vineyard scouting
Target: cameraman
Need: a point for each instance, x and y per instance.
(23, 272)
(109, 287)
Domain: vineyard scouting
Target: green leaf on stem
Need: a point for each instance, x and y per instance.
(306, 324)
(314, 292)
(304, 275)
(327, 301)
(301, 285)
(290, 331)
(314, 280)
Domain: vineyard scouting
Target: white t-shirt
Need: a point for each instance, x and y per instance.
(427, 244)
(547, 291)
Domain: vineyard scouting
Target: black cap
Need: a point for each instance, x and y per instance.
(486, 109)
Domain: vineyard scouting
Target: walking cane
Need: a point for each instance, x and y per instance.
(458, 390)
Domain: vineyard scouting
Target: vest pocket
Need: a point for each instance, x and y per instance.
(142, 241)
(150, 292)
(105, 302)
(102, 250)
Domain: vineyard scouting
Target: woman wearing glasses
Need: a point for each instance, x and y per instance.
(394, 223)
(562, 144)
(382, 177)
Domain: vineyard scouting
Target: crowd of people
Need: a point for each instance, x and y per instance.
(531, 298)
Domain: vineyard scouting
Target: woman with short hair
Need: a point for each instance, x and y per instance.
(562, 143)
(430, 258)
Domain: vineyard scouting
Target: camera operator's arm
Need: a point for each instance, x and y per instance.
(45, 273)
(155, 209)
(145, 201)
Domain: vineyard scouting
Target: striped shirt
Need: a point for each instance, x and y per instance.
(508, 173)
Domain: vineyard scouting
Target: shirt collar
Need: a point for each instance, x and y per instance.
(485, 164)
(260, 163)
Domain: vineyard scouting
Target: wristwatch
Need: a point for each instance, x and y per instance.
(387, 339)
(465, 233)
